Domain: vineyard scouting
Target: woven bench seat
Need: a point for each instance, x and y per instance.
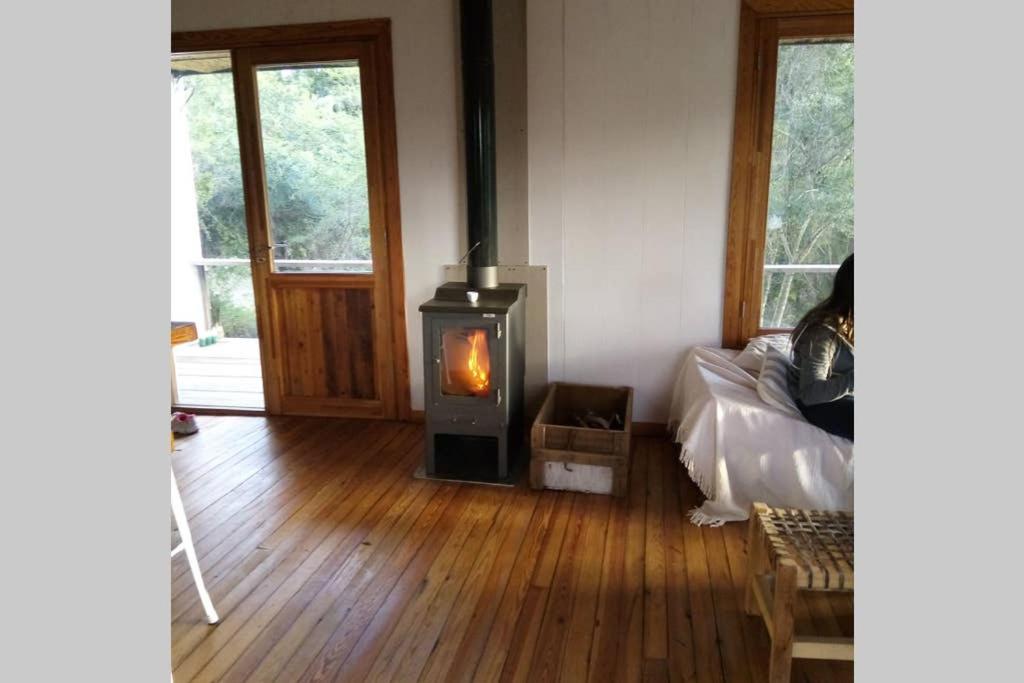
(796, 550)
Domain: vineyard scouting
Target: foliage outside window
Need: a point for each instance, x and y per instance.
(316, 177)
(810, 200)
(311, 119)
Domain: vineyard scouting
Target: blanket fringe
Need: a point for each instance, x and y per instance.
(701, 518)
(687, 459)
(696, 515)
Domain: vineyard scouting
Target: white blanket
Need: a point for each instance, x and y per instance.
(738, 449)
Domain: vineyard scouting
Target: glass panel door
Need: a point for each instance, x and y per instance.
(313, 141)
(211, 274)
(314, 151)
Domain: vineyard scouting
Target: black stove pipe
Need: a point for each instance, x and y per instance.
(478, 115)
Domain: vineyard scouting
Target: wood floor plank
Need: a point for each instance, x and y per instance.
(471, 617)
(483, 651)
(227, 452)
(629, 664)
(213, 496)
(288, 636)
(294, 559)
(523, 640)
(219, 521)
(328, 560)
(728, 610)
(681, 652)
(823, 615)
(809, 670)
(236, 583)
(610, 598)
(404, 648)
(222, 546)
(655, 609)
(755, 637)
(321, 564)
(304, 452)
(547, 656)
(580, 634)
(245, 560)
(214, 443)
(331, 642)
(707, 656)
(418, 584)
(206, 489)
(462, 584)
(655, 671)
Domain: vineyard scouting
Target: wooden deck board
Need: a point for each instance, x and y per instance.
(327, 560)
(226, 374)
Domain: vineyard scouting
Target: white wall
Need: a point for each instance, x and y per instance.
(428, 119)
(629, 111)
(630, 106)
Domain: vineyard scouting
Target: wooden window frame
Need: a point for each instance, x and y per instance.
(762, 24)
(374, 37)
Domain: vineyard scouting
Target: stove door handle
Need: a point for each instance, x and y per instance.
(499, 397)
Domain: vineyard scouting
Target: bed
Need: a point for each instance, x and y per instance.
(738, 448)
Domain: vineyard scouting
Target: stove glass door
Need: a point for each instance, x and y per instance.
(465, 362)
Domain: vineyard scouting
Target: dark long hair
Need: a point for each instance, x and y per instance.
(835, 311)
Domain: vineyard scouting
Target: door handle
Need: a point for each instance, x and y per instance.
(259, 255)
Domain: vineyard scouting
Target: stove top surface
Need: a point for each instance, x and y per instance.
(451, 298)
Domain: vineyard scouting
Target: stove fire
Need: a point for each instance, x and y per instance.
(466, 362)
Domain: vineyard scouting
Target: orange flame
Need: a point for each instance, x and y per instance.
(479, 372)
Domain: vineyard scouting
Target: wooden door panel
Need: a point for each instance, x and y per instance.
(328, 349)
(347, 327)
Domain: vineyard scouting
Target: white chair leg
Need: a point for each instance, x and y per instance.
(190, 552)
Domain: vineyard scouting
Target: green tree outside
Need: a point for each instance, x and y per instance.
(315, 159)
(810, 201)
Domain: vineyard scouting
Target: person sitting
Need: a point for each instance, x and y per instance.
(821, 380)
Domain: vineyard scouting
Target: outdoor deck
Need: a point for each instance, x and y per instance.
(223, 375)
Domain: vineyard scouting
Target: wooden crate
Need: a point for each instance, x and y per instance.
(585, 455)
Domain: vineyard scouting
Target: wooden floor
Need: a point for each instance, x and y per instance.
(327, 560)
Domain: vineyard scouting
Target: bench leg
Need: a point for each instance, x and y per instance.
(781, 660)
(755, 553)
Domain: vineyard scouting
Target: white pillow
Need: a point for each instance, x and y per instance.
(752, 357)
(772, 383)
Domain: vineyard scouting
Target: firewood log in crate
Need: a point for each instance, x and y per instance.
(593, 458)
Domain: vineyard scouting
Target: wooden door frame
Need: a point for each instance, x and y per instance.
(762, 24)
(375, 37)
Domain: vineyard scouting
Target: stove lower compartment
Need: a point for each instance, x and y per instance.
(483, 458)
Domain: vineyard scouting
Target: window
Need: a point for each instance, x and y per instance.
(791, 207)
(311, 120)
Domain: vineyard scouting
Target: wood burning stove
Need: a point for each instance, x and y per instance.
(474, 364)
(474, 333)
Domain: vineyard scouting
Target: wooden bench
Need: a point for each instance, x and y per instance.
(790, 551)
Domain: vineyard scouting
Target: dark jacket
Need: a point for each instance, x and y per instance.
(822, 366)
